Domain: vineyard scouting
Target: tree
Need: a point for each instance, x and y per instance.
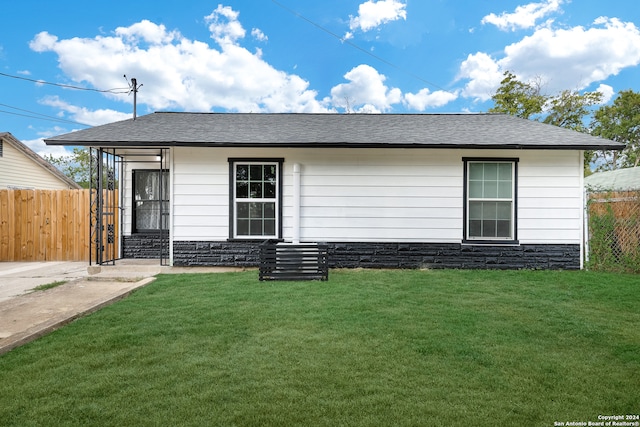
(569, 109)
(75, 165)
(517, 98)
(620, 122)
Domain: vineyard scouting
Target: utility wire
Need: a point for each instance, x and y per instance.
(355, 46)
(38, 114)
(34, 115)
(114, 90)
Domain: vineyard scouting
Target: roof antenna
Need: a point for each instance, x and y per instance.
(133, 87)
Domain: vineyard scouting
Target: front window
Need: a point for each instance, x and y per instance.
(490, 207)
(150, 200)
(256, 199)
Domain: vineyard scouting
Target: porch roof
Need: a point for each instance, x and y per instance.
(497, 131)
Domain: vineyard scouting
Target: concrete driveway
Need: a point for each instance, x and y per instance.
(25, 316)
(16, 278)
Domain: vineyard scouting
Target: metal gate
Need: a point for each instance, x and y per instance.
(106, 180)
(105, 173)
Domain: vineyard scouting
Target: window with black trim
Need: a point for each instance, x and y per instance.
(1, 148)
(150, 200)
(490, 199)
(255, 205)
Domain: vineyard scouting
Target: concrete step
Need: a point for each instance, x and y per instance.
(128, 270)
(124, 271)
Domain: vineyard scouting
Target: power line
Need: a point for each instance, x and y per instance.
(34, 115)
(114, 90)
(355, 46)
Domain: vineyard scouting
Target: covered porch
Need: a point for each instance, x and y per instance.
(130, 209)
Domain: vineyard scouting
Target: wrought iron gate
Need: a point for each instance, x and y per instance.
(106, 181)
(105, 173)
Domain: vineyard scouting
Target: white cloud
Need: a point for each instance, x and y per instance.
(43, 42)
(372, 14)
(179, 73)
(147, 31)
(426, 99)
(259, 35)
(607, 93)
(365, 92)
(83, 115)
(576, 57)
(524, 16)
(484, 76)
(43, 149)
(572, 58)
(224, 25)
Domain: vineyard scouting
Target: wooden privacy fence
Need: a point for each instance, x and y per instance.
(45, 225)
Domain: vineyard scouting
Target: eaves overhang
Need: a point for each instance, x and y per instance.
(410, 131)
(170, 144)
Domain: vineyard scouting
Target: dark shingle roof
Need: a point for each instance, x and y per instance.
(333, 130)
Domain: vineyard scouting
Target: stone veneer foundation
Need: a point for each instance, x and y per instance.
(390, 255)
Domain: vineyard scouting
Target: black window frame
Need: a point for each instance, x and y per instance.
(233, 161)
(134, 228)
(465, 200)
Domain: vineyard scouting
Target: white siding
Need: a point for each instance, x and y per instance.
(379, 194)
(18, 170)
(201, 194)
(550, 197)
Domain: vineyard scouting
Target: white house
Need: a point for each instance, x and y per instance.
(426, 190)
(22, 168)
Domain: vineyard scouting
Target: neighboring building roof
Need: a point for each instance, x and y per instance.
(334, 130)
(615, 180)
(6, 137)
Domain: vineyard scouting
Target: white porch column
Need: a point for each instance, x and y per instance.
(296, 203)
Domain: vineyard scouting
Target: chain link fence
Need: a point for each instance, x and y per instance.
(613, 219)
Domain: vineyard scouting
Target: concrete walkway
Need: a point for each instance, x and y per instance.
(26, 315)
(16, 278)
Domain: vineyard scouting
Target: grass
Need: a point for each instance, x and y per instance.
(48, 286)
(366, 348)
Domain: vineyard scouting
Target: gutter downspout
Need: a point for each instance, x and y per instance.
(296, 203)
(584, 217)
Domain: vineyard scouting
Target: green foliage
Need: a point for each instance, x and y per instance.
(568, 109)
(76, 165)
(620, 122)
(384, 348)
(517, 98)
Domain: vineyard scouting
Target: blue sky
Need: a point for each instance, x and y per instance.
(365, 56)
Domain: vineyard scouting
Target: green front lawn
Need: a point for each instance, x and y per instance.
(368, 348)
